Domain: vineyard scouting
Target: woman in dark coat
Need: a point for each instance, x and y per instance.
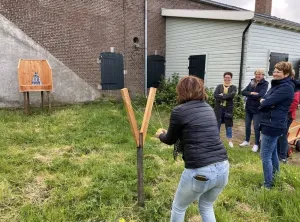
(224, 94)
(274, 107)
(206, 163)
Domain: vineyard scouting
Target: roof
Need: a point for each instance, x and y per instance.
(276, 21)
(220, 5)
(262, 18)
(209, 14)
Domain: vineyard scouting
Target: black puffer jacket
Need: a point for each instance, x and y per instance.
(195, 124)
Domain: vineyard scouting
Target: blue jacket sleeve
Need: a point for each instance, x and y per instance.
(278, 96)
(246, 91)
(174, 129)
(263, 91)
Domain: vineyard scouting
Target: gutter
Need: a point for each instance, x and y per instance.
(242, 56)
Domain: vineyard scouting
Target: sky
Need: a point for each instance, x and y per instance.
(286, 9)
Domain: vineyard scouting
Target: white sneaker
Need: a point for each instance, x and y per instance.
(245, 143)
(230, 144)
(255, 148)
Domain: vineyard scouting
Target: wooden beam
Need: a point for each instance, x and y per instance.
(147, 113)
(130, 114)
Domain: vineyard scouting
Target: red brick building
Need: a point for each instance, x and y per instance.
(77, 31)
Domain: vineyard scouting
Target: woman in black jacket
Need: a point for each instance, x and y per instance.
(224, 94)
(206, 164)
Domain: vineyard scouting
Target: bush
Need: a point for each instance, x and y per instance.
(166, 96)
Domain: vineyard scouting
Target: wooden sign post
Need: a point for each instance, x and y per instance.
(139, 136)
(34, 76)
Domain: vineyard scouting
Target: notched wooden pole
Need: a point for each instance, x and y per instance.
(147, 113)
(130, 114)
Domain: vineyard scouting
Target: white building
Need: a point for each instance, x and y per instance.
(208, 43)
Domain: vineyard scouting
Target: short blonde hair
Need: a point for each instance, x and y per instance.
(286, 68)
(260, 70)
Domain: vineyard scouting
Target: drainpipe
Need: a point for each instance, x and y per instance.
(242, 56)
(146, 46)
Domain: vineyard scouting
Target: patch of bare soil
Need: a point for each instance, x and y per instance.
(36, 191)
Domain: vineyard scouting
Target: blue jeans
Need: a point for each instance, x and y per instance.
(282, 144)
(228, 131)
(206, 192)
(269, 157)
(256, 121)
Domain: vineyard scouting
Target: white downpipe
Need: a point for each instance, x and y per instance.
(146, 45)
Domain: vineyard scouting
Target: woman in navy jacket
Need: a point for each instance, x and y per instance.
(274, 107)
(256, 89)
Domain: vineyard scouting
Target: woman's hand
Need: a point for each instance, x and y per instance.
(160, 131)
(254, 93)
(261, 100)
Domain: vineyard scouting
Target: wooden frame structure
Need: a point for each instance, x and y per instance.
(139, 136)
(28, 72)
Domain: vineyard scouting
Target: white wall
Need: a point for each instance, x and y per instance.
(15, 44)
(220, 40)
(264, 39)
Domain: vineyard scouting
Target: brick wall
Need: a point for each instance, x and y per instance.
(77, 31)
(263, 7)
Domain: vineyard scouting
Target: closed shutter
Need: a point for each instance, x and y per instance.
(155, 70)
(112, 71)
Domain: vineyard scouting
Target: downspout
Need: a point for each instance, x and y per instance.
(146, 46)
(242, 56)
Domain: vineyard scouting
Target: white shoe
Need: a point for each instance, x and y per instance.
(230, 144)
(255, 148)
(245, 143)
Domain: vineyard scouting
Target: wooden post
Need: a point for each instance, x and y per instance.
(147, 113)
(130, 114)
(25, 103)
(42, 99)
(28, 102)
(49, 101)
(140, 171)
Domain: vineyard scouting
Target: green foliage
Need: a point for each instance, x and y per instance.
(166, 93)
(166, 96)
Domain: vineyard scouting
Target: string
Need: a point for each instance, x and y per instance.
(136, 109)
(157, 113)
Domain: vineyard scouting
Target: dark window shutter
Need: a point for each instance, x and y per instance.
(276, 57)
(197, 65)
(155, 70)
(112, 71)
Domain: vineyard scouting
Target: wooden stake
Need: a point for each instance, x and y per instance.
(130, 114)
(147, 113)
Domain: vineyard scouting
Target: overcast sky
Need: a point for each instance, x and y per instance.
(286, 9)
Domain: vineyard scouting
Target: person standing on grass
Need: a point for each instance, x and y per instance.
(205, 158)
(274, 107)
(224, 94)
(256, 89)
(282, 144)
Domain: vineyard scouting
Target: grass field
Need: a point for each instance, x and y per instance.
(79, 164)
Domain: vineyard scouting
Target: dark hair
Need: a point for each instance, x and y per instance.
(227, 73)
(190, 88)
(286, 68)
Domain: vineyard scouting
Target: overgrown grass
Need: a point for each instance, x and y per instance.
(79, 164)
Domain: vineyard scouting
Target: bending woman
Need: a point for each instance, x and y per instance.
(206, 164)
